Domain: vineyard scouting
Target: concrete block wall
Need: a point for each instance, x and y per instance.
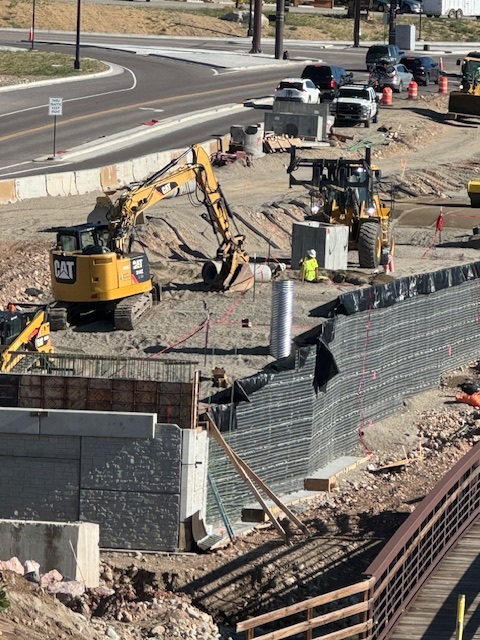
(115, 176)
(140, 486)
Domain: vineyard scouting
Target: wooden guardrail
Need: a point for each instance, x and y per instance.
(362, 609)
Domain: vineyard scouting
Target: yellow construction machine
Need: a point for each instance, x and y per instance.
(466, 101)
(22, 331)
(344, 192)
(93, 266)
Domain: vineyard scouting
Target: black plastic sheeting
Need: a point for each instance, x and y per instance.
(379, 346)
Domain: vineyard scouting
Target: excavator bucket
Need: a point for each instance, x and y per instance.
(242, 278)
(462, 103)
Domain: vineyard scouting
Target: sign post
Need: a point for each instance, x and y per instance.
(55, 108)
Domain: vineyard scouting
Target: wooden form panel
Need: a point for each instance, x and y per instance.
(173, 402)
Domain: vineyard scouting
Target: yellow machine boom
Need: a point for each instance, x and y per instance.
(28, 331)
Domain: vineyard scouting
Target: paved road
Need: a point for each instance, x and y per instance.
(153, 79)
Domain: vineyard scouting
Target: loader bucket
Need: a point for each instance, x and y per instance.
(462, 103)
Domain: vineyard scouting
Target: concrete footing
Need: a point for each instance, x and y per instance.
(70, 547)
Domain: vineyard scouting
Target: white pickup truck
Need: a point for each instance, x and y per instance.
(355, 103)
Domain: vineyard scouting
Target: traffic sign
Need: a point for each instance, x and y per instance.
(55, 107)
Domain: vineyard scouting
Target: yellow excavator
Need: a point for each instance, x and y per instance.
(466, 101)
(22, 331)
(344, 192)
(93, 266)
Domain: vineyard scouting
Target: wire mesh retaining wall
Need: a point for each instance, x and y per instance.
(286, 431)
(87, 366)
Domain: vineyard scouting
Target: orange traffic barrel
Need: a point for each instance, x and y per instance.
(443, 84)
(413, 90)
(387, 96)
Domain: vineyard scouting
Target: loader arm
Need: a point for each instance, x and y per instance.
(35, 336)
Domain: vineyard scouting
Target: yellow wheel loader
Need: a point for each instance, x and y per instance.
(93, 266)
(466, 101)
(22, 331)
(344, 192)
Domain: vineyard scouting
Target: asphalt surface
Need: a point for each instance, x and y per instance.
(201, 97)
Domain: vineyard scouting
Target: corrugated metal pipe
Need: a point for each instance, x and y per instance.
(281, 319)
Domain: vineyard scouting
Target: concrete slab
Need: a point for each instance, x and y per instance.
(15, 420)
(324, 478)
(98, 424)
(72, 548)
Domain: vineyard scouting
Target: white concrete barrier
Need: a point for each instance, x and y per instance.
(70, 183)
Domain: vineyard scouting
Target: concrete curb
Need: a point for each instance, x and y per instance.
(108, 178)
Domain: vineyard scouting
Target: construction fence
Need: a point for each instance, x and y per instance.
(371, 349)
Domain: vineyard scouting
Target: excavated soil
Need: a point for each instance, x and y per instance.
(203, 595)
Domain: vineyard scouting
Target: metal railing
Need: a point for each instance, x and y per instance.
(402, 567)
(88, 366)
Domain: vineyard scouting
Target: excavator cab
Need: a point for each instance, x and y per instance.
(85, 238)
(466, 101)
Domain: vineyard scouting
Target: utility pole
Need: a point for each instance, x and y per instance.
(391, 22)
(76, 64)
(356, 23)
(257, 28)
(279, 29)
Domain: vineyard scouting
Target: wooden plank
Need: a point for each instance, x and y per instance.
(223, 443)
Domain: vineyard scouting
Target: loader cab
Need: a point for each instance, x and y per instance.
(11, 325)
(84, 238)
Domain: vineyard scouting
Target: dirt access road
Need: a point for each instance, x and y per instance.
(346, 528)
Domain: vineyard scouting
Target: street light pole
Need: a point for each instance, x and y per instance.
(250, 19)
(33, 26)
(77, 46)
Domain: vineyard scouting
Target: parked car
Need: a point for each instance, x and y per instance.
(425, 70)
(327, 78)
(297, 90)
(389, 52)
(395, 76)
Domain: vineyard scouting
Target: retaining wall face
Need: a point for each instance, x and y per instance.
(39, 477)
(383, 356)
(129, 487)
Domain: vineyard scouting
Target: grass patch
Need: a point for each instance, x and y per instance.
(44, 65)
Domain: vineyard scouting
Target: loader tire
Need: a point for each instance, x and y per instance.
(369, 245)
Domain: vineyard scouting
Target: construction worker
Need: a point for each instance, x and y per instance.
(11, 307)
(309, 267)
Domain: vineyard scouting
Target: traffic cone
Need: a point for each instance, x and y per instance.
(30, 36)
(440, 63)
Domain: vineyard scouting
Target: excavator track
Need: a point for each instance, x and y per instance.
(129, 311)
(58, 318)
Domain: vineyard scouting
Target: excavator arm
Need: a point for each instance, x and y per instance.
(128, 209)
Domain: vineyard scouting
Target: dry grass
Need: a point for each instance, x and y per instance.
(205, 22)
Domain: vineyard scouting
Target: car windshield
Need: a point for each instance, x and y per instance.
(291, 85)
(354, 93)
(413, 62)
